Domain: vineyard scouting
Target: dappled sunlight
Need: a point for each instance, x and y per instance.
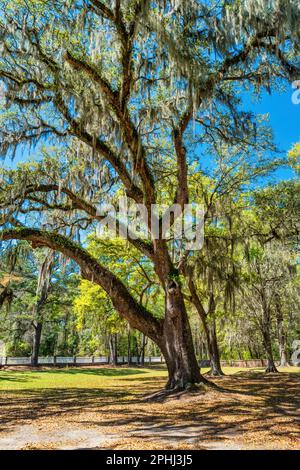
(251, 409)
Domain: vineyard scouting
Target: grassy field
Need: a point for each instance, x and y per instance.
(89, 378)
(106, 408)
(104, 377)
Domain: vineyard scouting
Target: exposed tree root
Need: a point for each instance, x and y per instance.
(177, 393)
(271, 370)
(215, 373)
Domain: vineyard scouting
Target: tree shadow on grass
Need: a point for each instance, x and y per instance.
(30, 405)
(27, 376)
(11, 377)
(266, 406)
(24, 377)
(106, 372)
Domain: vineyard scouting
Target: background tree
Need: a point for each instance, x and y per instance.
(42, 291)
(34, 306)
(269, 272)
(137, 274)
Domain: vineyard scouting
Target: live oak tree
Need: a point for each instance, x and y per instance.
(135, 82)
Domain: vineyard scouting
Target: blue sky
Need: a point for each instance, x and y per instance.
(284, 118)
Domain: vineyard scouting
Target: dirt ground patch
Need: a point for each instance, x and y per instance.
(252, 411)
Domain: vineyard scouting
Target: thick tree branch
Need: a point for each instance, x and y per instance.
(137, 316)
(102, 148)
(182, 196)
(129, 131)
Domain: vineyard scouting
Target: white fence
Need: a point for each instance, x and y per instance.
(85, 360)
(76, 360)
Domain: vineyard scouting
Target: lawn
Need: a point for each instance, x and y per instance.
(106, 408)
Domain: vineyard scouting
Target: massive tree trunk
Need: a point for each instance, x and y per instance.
(176, 343)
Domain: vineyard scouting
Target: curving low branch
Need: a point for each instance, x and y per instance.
(137, 316)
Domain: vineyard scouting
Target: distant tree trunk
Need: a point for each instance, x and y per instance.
(37, 334)
(213, 349)
(203, 351)
(42, 294)
(111, 355)
(129, 346)
(113, 348)
(65, 335)
(144, 342)
(268, 348)
(282, 345)
(137, 350)
(250, 352)
(209, 329)
(281, 335)
(265, 329)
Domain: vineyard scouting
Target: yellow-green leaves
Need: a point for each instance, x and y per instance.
(294, 157)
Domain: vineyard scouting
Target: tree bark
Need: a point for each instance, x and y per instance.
(268, 348)
(177, 345)
(265, 329)
(113, 350)
(281, 337)
(282, 345)
(213, 349)
(128, 346)
(144, 342)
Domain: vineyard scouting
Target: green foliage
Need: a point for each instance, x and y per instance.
(294, 157)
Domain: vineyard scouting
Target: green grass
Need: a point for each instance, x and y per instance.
(73, 378)
(88, 378)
